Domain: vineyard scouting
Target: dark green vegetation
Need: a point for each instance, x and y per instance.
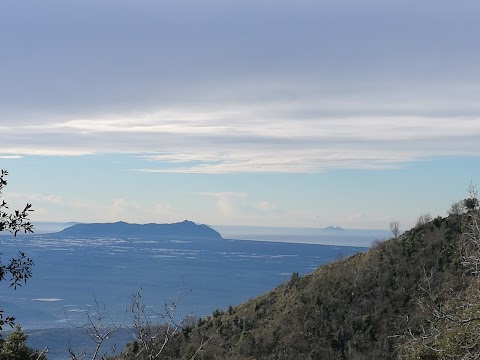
(413, 297)
(18, 269)
(14, 347)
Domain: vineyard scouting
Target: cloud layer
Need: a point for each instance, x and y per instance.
(242, 86)
(253, 139)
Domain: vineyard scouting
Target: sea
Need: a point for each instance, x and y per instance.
(76, 277)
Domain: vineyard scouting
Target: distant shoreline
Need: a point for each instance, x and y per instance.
(318, 236)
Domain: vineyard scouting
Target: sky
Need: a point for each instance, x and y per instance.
(285, 113)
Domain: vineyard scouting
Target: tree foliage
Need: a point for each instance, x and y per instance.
(457, 208)
(452, 329)
(17, 220)
(17, 269)
(14, 347)
(423, 219)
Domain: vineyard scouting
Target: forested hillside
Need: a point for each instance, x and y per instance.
(407, 297)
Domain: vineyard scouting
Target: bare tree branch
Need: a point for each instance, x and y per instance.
(98, 326)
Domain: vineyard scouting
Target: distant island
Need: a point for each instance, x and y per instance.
(333, 228)
(181, 230)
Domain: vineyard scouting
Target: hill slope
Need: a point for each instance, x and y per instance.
(360, 307)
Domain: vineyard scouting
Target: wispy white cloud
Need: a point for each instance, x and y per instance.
(45, 198)
(109, 211)
(239, 207)
(227, 203)
(10, 157)
(265, 206)
(253, 139)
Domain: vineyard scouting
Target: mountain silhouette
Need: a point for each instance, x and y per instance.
(181, 230)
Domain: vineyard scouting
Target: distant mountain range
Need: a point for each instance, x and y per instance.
(181, 230)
